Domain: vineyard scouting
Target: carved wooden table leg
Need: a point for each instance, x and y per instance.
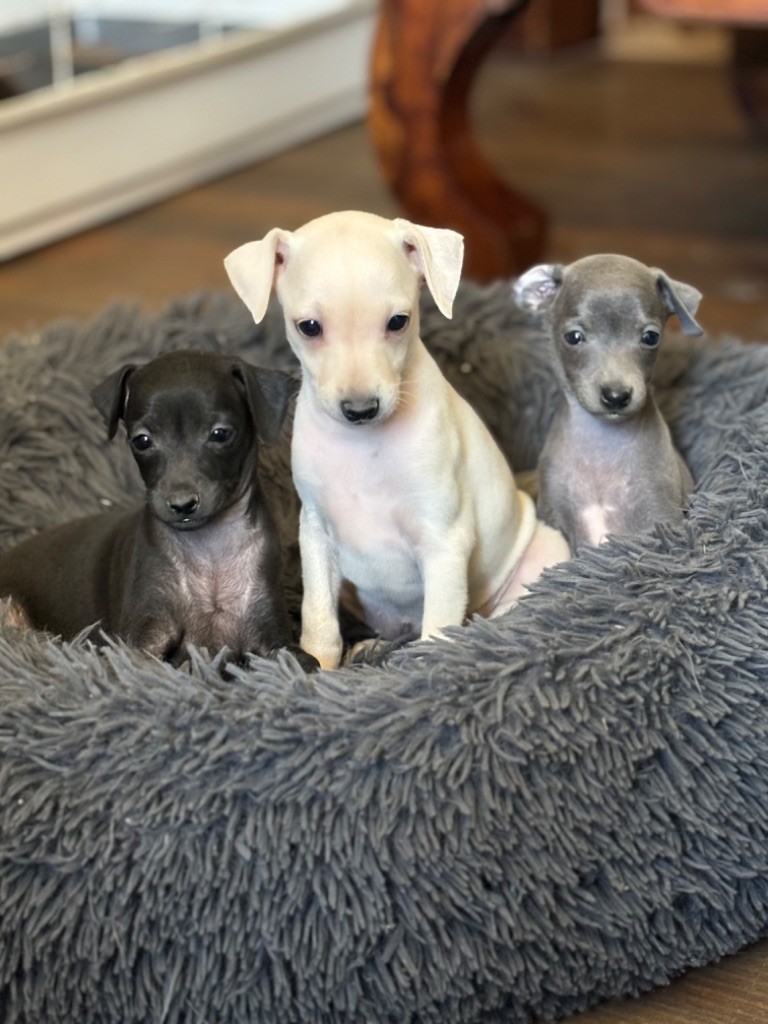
(425, 56)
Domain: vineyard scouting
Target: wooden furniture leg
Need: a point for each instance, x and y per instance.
(750, 75)
(749, 21)
(425, 56)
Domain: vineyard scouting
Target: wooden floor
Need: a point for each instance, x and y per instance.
(652, 160)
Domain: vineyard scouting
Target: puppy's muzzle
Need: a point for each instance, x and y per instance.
(360, 410)
(615, 397)
(183, 503)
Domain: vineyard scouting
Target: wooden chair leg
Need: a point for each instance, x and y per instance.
(425, 57)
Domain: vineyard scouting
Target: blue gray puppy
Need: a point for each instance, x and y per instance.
(608, 465)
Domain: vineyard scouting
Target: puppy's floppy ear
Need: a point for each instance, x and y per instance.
(534, 289)
(679, 298)
(110, 396)
(269, 393)
(253, 269)
(437, 254)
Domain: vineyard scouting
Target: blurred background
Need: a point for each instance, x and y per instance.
(142, 140)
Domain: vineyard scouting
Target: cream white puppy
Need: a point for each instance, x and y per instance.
(407, 502)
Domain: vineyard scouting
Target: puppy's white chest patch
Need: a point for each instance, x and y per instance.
(216, 574)
(596, 521)
(600, 492)
(364, 492)
(376, 534)
(223, 586)
(372, 500)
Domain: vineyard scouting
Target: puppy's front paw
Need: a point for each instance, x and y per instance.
(307, 661)
(376, 651)
(328, 655)
(14, 615)
(362, 652)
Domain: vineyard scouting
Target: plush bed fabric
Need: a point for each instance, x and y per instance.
(563, 805)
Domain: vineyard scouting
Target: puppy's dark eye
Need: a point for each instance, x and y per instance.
(397, 322)
(310, 328)
(142, 442)
(220, 435)
(573, 337)
(650, 339)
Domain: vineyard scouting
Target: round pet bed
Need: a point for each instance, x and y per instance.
(562, 805)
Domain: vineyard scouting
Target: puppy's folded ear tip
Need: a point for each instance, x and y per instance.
(110, 397)
(681, 299)
(534, 288)
(269, 393)
(437, 255)
(693, 330)
(252, 269)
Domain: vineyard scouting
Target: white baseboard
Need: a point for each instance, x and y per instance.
(124, 137)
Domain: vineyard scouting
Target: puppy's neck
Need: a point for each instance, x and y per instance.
(588, 428)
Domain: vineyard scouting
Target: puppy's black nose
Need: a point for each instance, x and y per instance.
(183, 504)
(360, 411)
(614, 397)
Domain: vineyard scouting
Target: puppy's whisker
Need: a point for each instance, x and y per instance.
(408, 389)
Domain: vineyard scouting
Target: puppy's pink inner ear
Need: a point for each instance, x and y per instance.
(282, 251)
(413, 254)
(281, 258)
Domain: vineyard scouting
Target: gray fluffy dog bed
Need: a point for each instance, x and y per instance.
(566, 804)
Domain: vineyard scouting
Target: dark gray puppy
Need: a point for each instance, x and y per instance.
(200, 563)
(608, 465)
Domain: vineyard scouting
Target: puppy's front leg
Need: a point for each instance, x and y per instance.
(158, 636)
(320, 633)
(446, 586)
